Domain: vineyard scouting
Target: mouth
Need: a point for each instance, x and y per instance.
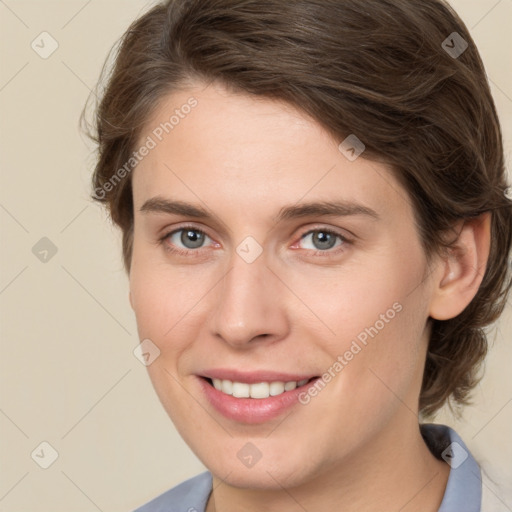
(258, 390)
(253, 397)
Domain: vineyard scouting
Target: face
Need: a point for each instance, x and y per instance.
(269, 265)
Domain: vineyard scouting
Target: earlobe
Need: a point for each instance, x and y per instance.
(462, 268)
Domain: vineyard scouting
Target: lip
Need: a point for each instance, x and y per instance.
(252, 410)
(254, 376)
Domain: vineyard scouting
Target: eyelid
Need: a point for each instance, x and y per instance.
(328, 229)
(166, 231)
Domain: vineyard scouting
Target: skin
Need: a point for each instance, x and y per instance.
(296, 308)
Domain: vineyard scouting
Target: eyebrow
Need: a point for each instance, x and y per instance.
(340, 208)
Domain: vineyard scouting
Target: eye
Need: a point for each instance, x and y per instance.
(185, 239)
(190, 240)
(322, 240)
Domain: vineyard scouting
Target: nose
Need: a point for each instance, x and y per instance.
(251, 305)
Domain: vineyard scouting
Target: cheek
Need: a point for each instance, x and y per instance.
(170, 307)
(372, 327)
(162, 296)
(367, 300)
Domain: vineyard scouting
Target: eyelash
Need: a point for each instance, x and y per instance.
(197, 252)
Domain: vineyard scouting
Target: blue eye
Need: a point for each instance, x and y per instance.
(189, 237)
(194, 237)
(323, 239)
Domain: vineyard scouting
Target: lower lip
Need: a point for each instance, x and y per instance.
(252, 410)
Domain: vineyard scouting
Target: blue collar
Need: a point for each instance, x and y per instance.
(464, 486)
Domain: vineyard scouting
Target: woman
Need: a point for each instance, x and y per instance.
(316, 229)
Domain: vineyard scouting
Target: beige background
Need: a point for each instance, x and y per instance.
(68, 374)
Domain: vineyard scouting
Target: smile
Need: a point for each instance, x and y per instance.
(252, 396)
(258, 390)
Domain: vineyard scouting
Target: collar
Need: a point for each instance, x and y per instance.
(464, 486)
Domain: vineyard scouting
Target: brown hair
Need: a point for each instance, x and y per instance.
(379, 69)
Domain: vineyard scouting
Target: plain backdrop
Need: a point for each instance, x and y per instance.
(68, 376)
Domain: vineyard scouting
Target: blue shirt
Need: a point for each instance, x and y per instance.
(463, 490)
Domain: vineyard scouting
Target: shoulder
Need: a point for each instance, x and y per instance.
(189, 496)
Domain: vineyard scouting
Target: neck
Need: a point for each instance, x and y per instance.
(396, 471)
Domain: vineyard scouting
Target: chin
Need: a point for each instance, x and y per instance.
(274, 469)
(264, 477)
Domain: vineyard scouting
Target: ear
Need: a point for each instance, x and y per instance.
(462, 269)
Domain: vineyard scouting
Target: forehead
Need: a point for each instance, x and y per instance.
(224, 148)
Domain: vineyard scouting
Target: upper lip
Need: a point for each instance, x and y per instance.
(254, 376)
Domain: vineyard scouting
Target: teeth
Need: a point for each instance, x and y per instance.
(276, 388)
(241, 390)
(257, 390)
(260, 390)
(290, 385)
(226, 387)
